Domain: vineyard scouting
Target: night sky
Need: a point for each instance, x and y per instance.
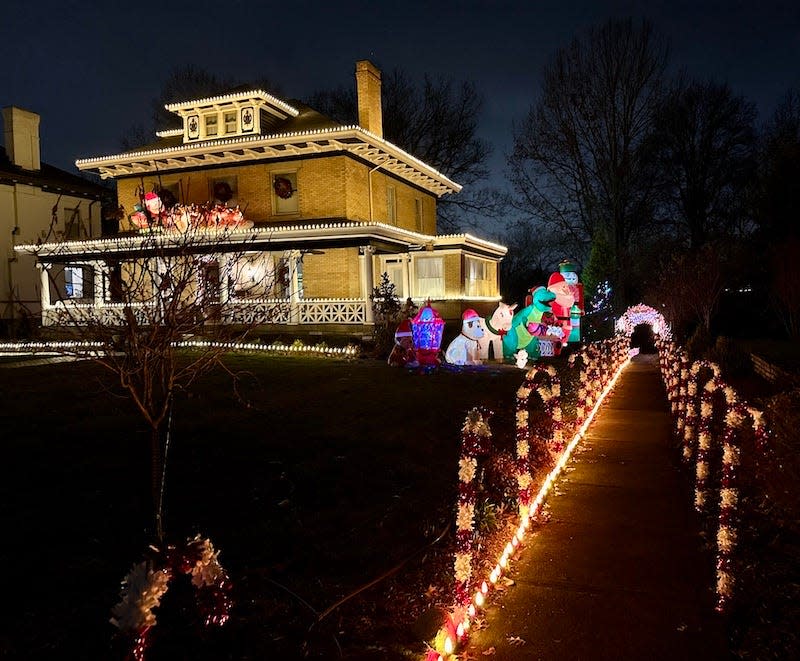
(90, 70)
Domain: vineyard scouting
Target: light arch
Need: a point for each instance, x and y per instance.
(643, 314)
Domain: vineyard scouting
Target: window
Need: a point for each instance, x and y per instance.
(418, 213)
(284, 192)
(477, 280)
(212, 125)
(74, 281)
(430, 277)
(72, 223)
(396, 272)
(224, 189)
(391, 205)
(229, 119)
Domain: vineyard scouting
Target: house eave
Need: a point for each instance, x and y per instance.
(241, 149)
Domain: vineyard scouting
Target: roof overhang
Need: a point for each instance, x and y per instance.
(241, 149)
(298, 237)
(258, 98)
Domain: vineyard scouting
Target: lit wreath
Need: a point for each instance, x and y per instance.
(282, 187)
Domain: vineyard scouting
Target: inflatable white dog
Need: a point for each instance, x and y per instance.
(464, 350)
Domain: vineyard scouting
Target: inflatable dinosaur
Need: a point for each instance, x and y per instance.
(533, 323)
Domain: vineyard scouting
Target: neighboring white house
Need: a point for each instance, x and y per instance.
(38, 203)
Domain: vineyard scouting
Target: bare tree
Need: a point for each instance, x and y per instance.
(580, 162)
(704, 142)
(778, 204)
(436, 121)
(138, 296)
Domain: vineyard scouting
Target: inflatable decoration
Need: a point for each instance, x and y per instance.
(569, 271)
(521, 358)
(464, 349)
(564, 300)
(151, 213)
(403, 354)
(535, 328)
(427, 328)
(495, 328)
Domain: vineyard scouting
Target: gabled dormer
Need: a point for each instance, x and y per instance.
(245, 113)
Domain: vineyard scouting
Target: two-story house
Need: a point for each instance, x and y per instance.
(329, 208)
(38, 202)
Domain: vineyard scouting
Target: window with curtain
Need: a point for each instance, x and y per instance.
(478, 281)
(430, 277)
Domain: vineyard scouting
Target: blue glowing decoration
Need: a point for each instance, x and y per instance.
(427, 328)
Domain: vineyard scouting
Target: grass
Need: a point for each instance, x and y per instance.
(321, 476)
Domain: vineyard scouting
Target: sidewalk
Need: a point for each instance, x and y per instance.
(617, 573)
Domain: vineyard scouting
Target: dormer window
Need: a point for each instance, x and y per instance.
(212, 125)
(229, 119)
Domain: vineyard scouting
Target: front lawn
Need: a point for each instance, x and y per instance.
(316, 478)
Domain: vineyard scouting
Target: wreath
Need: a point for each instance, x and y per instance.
(223, 191)
(148, 581)
(283, 187)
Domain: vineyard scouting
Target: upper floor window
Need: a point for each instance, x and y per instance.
(418, 214)
(229, 119)
(212, 125)
(284, 192)
(391, 205)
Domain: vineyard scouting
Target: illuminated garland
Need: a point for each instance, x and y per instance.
(550, 396)
(458, 621)
(736, 413)
(148, 581)
(297, 347)
(475, 438)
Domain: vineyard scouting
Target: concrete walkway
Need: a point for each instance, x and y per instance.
(618, 572)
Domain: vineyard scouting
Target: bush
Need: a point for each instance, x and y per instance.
(731, 358)
(699, 343)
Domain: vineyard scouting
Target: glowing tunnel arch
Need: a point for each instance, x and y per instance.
(643, 314)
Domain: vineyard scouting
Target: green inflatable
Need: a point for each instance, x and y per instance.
(532, 323)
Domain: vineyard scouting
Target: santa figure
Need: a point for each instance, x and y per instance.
(403, 354)
(565, 298)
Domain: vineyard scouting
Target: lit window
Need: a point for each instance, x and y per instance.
(212, 125)
(430, 277)
(477, 280)
(74, 281)
(284, 192)
(229, 117)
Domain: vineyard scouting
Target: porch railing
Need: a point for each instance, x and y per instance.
(235, 311)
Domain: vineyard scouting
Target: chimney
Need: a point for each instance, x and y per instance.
(21, 132)
(368, 90)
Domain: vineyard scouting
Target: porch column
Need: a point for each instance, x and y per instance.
(294, 287)
(225, 265)
(99, 273)
(44, 296)
(367, 280)
(44, 275)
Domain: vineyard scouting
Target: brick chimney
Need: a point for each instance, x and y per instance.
(368, 90)
(21, 132)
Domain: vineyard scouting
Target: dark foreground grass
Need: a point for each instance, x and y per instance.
(317, 478)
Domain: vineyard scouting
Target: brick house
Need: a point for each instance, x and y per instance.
(329, 208)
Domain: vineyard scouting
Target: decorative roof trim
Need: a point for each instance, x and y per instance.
(169, 133)
(370, 147)
(238, 96)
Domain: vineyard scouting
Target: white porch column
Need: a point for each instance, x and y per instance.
(367, 280)
(294, 287)
(98, 279)
(406, 276)
(44, 295)
(225, 265)
(44, 276)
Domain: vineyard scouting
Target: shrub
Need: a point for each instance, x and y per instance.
(731, 358)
